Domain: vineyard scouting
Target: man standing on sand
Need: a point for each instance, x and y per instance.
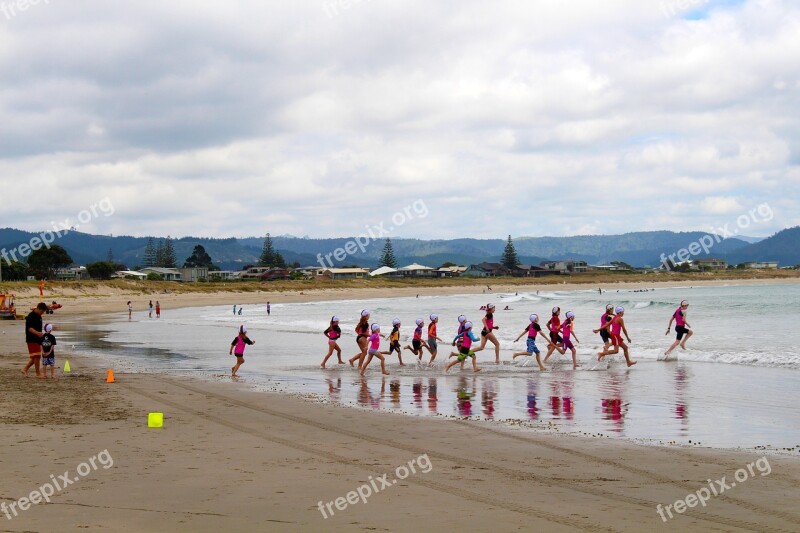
(269, 308)
(33, 338)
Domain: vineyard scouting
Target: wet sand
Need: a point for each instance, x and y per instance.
(238, 460)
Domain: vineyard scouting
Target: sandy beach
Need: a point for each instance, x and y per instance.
(234, 459)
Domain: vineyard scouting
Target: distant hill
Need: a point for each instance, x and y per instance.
(783, 247)
(637, 249)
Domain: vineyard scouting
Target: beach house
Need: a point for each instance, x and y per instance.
(167, 274)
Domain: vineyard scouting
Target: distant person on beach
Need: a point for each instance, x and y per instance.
(682, 328)
(334, 332)
(433, 338)
(234, 309)
(362, 332)
(533, 329)
(567, 332)
(130, 309)
(33, 338)
(616, 326)
(238, 345)
(467, 338)
(150, 306)
(553, 326)
(158, 309)
(487, 333)
(48, 352)
(269, 308)
(240, 310)
(394, 341)
(603, 330)
(375, 350)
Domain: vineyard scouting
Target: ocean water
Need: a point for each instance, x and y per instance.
(737, 385)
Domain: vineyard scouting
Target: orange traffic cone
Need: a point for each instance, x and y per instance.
(110, 377)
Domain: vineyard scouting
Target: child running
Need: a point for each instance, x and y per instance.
(462, 319)
(682, 328)
(394, 341)
(433, 338)
(237, 348)
(554, 325)
(362, 332)
(467, 338)
(374, 350)
(417, 341)
(568, 331)
(617, 325)
(334, 333)
(487, 333)
(605, 334)
(48, 352)
(533, 329)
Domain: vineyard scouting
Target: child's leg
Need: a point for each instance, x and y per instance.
(330, 352)
(433, 356)
(475, 363)
(338, 352)
(627, 356)
(383, 364)
(686, 338)
(519, 354)
(674, 345)
(539, 361)
(574, 358)
(496, 347)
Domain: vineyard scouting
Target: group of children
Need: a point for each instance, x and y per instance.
(368, 337)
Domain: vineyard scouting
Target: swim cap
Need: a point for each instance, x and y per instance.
(619, 309)
(489, 306)
(243, 328)
(419, 321)
(48, 328)
(433, 317)
(467, 325)
(376, 327)
(556, 309)
(334, 318)
(396, 322)
(609, 307)
(365, 312)
(570, 314)
(462, 319)
(534, 317)
(684, 302)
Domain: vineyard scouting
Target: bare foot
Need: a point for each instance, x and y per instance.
(385, 373)
(476, 369)
(542, 369)
(24, 372)
(341, 362)
(402, 364)
(322, 366)
(632, 363)
(40, 377)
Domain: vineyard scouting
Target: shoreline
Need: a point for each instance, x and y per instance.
(114, 300)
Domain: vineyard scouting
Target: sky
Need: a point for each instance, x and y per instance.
(426, 118)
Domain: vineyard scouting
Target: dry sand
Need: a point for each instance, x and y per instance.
(235, 460)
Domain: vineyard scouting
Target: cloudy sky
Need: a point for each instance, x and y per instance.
(323, 117)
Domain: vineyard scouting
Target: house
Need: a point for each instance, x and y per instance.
(193, 273)
(275, 273)
(71, 273)
(385, 271)
(451, 271)
(486, 270)
(531, 271)
(129, 274)
(225, 274)
(566, 267)
(311, 271)
(710, 264)
(345, 273)
(254, 272)
(167, 274)
(762, 265)
(415, 270)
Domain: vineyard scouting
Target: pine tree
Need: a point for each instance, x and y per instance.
(387, 256)
(199, 258)
(267, 258)
(510, 259)
(280, 262)
(170, 261)
(159, 262)
(149, 259)
(110, 256)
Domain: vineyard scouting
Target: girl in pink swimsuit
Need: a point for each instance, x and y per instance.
(375, 350)
(334, 332)
(237, 348)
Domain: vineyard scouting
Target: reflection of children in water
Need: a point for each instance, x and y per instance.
(334, 389)
(533, 411)
(394, 392)
(464, 397)
(561, 399)
(416, 388)
(432, 399)
(365, 396)
(681, 409)
(488, 396)
(613, 406)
